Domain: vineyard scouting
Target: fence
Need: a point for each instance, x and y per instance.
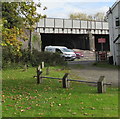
(101, 56)
(101, 84)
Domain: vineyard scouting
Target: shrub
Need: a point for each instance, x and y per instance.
(48, 57)
(9, 58)
(33, 59)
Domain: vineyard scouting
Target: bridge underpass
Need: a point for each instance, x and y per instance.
(73, 41)
(76, 34)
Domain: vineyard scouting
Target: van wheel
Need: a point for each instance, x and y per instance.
(72, 59)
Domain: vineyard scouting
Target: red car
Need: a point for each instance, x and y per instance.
(78, 53)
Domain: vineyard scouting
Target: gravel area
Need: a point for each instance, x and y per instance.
(92, 73)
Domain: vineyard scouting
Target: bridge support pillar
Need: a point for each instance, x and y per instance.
(91, 41)
(37, 42)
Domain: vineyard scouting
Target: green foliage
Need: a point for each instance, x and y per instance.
(9, 59)
(34, 59)
(30, 16)
(37, 57)
(11, 15)
(35, 37)
(16, 17)
(105, 64)
(20, 14)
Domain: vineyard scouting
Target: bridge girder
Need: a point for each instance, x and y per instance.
(69, 26)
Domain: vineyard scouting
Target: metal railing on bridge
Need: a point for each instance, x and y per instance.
(58, 25)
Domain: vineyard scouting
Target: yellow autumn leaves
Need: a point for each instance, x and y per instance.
(10, 39)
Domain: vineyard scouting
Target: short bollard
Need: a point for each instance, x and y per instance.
(42, 65)
(100, 85)
(39, 72)
(47, 71)
(65, 81)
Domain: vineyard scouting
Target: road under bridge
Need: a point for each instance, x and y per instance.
(75, 34)
(74, 41)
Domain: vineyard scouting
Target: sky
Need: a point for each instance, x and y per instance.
(62, 8)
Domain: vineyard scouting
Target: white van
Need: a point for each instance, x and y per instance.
(64, 51)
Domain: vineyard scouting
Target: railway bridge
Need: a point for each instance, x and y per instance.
(77, 34)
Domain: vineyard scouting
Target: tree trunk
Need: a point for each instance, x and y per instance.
(30, 42)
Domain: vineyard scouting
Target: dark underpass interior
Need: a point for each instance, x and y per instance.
(73, 41)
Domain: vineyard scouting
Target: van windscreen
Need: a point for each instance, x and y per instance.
(66, 50)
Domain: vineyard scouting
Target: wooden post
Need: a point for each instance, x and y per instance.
(40, 75)
(100, 85)
(97, 56)
(38, 80)
(65, 81)
(42, 66)
(25, 67)
(47, 71)
(39, 72)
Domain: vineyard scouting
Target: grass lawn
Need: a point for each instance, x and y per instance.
(104, 64)
(22, 97)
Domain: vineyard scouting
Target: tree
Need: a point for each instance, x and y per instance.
(82, 16)
(9, 39)
(12, 28)
(30, 16)
(100, 16)
(90, 17)
(17, 16)
(11, 15)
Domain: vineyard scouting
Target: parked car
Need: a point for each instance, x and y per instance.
(64, 52)
(78, 53)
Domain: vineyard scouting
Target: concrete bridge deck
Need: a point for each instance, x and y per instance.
(69, 26)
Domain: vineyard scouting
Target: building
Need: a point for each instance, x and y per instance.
(114, 30)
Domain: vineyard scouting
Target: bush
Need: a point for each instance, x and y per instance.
(33, 59)
(8, 58)
(48, 57)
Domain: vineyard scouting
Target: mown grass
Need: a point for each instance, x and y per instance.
(77, 66)
(104, 64)
(22, 97)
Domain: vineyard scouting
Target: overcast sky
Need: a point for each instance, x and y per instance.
(62, 8)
